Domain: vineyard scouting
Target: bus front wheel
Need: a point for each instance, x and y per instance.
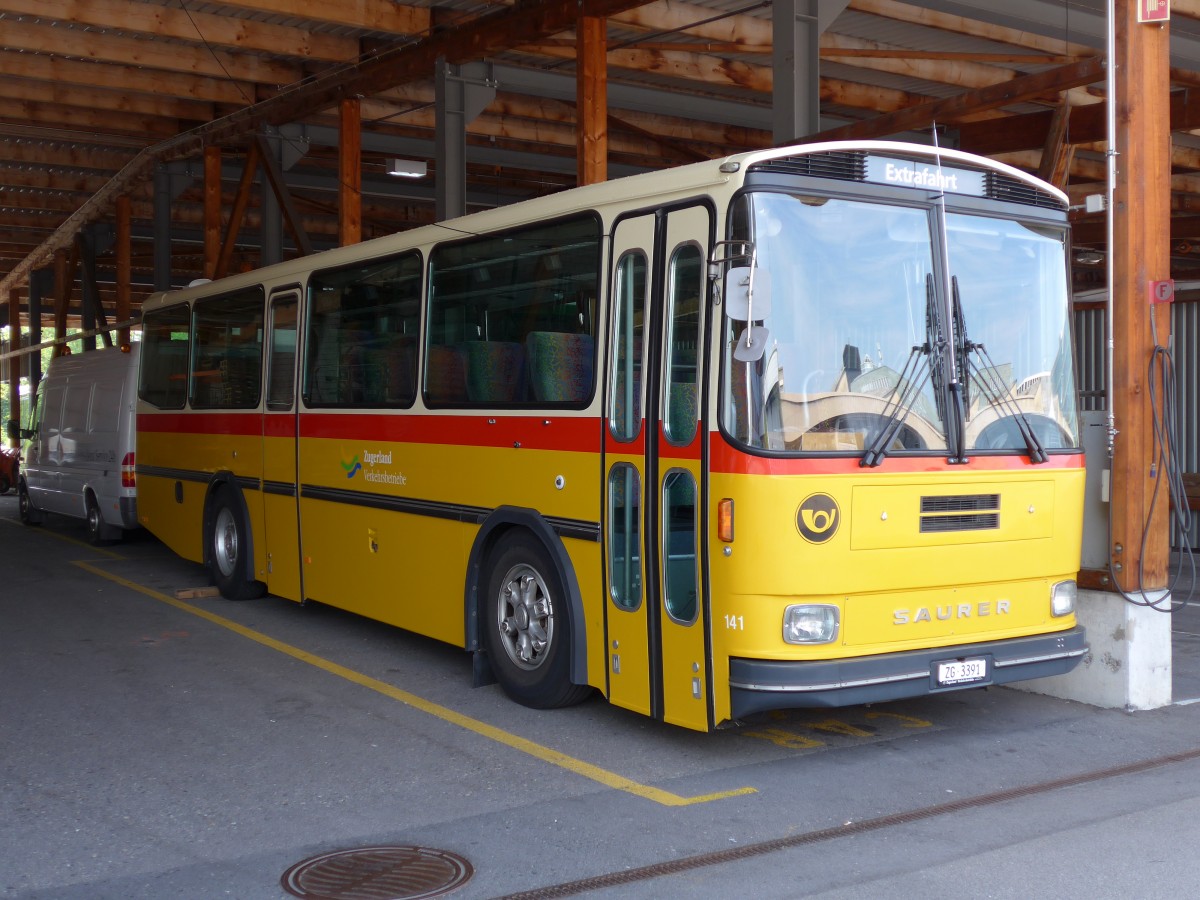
(528, 626)
(229, 542)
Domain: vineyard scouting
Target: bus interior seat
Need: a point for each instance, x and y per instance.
(682, 414)
(402, 369)
(620, 409)
(280, 382)
(392, 370)
(495, 370)
(560, 365)
(445, 375)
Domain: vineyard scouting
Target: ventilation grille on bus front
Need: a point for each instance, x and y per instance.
(842, 165)
(960, 512)
(1012, 190)
(851, 165)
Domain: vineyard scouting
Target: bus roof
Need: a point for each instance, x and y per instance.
(652, 187)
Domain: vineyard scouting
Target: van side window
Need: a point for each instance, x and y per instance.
(162, 381)
(103, 415)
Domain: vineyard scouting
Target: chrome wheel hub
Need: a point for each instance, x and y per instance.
(525, 617)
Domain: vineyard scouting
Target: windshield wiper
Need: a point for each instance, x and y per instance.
(988, 379)
(897, 409)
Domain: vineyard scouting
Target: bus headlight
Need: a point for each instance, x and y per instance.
(1062, 598)
(810, 623)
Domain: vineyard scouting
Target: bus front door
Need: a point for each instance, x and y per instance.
(280, 483)
(656, 614)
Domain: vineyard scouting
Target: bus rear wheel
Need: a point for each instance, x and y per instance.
(528, 626)
(229, 542)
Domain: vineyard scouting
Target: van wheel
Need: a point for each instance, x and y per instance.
(5, 484)
(29, 515)
(228, 545)
(528, 626)
(99, 531)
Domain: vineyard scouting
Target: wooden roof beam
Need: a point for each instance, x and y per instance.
(169, 56)
(130, 79)
(479, 38)
(1088, 125)
(212, 30)
(376, 15)
(947, 111)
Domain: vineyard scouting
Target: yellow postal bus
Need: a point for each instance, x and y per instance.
(792, 428)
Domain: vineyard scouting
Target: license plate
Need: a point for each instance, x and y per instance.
(961, 671)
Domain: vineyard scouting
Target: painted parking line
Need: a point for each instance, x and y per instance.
(500, 736)
(67, 539)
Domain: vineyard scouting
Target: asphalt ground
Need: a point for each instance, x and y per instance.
(153, 748)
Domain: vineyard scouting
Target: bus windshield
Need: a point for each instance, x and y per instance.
(850, 315)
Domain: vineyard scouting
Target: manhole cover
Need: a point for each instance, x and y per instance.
(377, 873)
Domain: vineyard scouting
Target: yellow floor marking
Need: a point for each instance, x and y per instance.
(69, 540)
(906, 721)
(570, 763)
(834, 726)
(785, 739)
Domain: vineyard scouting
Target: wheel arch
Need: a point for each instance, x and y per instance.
(502, 521)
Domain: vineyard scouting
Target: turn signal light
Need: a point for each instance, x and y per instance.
(725, 520)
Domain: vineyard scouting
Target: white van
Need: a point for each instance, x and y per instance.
(79, 451)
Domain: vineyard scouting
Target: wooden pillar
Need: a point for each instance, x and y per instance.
(591, 99)
(1141, 223)
(124, 254)
(62, 297)
(14, 362)
(350, 172)
(212, 210)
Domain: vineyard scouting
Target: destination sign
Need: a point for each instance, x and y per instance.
(907, 173)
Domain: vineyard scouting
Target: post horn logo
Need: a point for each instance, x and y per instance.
(818, 518)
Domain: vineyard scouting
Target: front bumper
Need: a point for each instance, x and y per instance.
(760, 684)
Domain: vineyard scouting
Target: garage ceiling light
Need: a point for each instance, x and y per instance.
(407, 168)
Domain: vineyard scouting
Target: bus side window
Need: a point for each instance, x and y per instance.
(361, 348)
(511, 317)
(683, 339)
(162, 381)
(227, 350)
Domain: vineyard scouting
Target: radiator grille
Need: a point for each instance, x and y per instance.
(960, 503)
(940, 524)
(960, 512)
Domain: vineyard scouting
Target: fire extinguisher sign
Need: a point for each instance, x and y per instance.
(1154, 10)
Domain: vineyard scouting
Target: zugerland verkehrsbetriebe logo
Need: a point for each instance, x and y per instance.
(376, 467)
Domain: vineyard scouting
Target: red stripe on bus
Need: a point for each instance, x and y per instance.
(544, 432)
(279, 425)
(727, 459)
(232, 423)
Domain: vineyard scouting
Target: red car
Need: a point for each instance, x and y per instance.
(8, 468)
